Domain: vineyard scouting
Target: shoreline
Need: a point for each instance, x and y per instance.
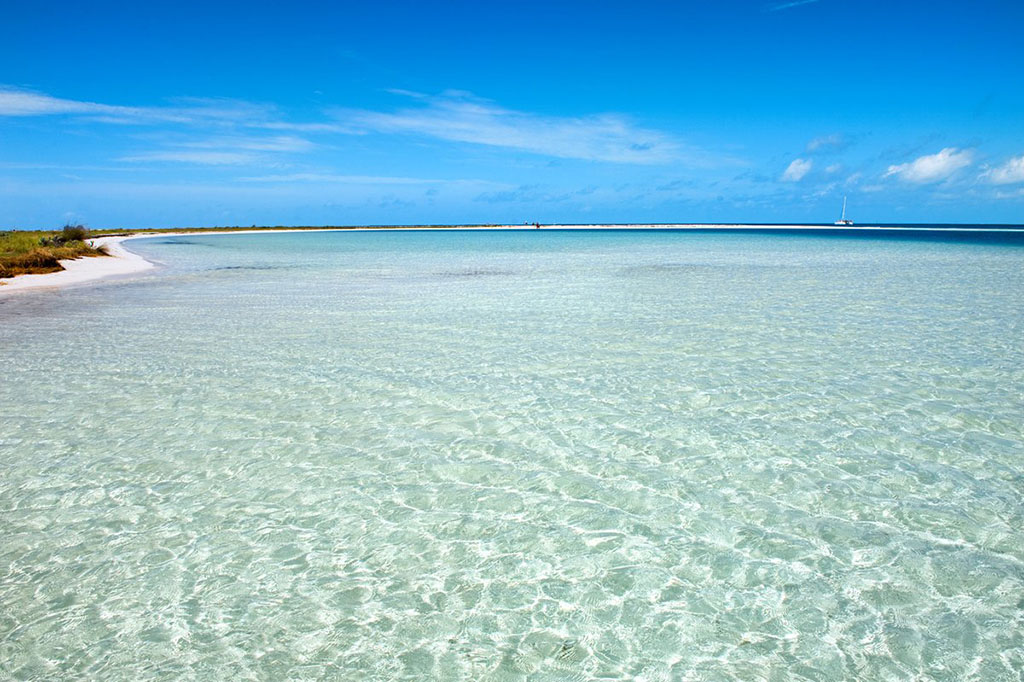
(122, 262)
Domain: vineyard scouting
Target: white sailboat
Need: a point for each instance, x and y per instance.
(843, 219)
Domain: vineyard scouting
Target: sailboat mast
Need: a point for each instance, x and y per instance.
(842, 219)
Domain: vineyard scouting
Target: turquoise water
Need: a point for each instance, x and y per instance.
(518, 456)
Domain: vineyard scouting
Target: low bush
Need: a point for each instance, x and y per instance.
(70, 233)
(73, 233)
(28, 252)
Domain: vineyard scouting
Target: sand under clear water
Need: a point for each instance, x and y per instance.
(518, 456)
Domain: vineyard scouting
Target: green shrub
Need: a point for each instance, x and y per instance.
(28, 252)
(73, 233)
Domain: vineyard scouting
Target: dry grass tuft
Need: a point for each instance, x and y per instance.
(25, 252)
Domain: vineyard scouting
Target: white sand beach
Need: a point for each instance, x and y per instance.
(81, 270)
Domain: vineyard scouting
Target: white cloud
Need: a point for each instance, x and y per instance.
(933, 167)
(459, 117)
(1009, 173)
(401, 92)
(797, 170)
(216, 115)
(304, 127)
(338, 178)
(21, 103)
(182, 110)
(339, 181)
(826, 142)
(222, 151)
(787, 5)
(454, 115)
(280, 143)
(834, 168)
(207, 158)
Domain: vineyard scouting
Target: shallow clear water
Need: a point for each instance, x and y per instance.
(518, 456)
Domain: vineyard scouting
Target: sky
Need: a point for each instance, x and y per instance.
(163, 114)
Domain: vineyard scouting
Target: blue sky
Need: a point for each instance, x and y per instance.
(129, 114)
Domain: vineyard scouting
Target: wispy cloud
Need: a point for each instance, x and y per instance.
(537, 194)
(206, 158)
(223, 150)
(304, 127)
(833, 142)
(9, 165)
(339, 178)
(406, 93)
(933, 167)
(23, 103)
(1007, 174)
(796, 170)
(281, 143)
(460, 117)
(453, 116)
(788, 5)
(235, 132)
(1011, 194)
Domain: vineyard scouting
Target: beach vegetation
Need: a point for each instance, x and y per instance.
(25, 252)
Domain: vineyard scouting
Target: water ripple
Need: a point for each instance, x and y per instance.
(794, 458)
